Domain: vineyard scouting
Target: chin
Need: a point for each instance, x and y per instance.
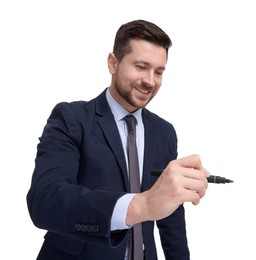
(142, 104)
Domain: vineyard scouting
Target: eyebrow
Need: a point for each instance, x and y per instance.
(148, 64)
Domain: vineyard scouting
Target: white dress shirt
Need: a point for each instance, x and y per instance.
(121, 207)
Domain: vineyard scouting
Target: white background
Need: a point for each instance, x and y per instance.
(52, 51)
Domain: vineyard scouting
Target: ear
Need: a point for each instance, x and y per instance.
(112, 63)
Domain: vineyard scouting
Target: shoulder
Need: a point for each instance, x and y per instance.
(82, 107)
(73, 105)
(69, 109)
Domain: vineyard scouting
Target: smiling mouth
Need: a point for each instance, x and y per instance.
(143, 91)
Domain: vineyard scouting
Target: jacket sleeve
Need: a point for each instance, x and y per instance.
(173, 236)
(56, 201)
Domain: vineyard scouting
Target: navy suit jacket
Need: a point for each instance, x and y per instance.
(80, 173)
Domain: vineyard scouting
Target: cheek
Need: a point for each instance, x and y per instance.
(158, 83)
(125, 77)
(155, 92)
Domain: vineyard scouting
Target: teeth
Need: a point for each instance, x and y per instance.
(143, 91)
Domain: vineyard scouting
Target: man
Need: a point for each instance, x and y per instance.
(80, 186)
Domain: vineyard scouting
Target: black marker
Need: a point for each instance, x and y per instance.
(211, 178)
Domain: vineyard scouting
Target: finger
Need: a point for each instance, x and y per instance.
(196, 185)
(207, 174)
(195, 173)
(190, 196)
(188, 179)
(191, 161)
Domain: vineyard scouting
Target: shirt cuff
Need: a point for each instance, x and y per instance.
(120, 212)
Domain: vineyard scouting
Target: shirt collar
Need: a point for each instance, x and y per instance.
(118, 111)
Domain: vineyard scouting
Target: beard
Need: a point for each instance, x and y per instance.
(126, 93)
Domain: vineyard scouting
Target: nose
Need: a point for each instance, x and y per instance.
(149, 79)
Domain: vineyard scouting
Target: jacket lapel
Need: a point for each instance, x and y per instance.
(108, 125)
(149, 148)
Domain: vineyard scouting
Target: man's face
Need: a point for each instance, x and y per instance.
(138, 77)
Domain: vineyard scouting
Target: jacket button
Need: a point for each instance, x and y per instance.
(87, 228)
(77, 227)
(84, 228)
(95, 228)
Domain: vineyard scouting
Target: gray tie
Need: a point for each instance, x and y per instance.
(136, 242)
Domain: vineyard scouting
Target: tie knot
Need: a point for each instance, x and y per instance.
(131, 122)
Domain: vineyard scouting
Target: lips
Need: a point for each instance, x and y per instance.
(143, 90)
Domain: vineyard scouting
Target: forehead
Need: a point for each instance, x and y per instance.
(147, 52)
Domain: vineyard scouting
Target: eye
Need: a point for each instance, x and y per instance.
(140, 67)
(159, 72)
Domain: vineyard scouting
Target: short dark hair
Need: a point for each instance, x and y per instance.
(139, 29)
